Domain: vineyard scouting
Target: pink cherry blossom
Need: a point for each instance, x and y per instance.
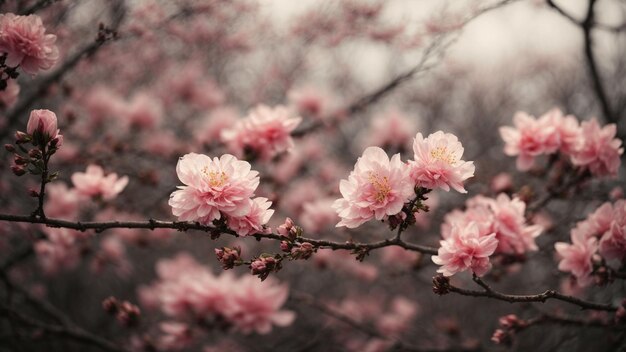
(310, 101)
(43, 122)
(254, 221)
(600, 151)
(529, 138)
(25, 42)
(143, 111)
(212, 186)
(185, 289)
(576, 257)
(377, 187)
(255, 306)
(438, 162)
(567, 128)
(93, 183)
(266, 131)
(503, 216)
(465, 249)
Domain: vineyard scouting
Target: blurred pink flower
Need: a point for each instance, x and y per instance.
(567, 128)
(219, 119)
(176, 336)
(254, 306)
(310, 101)
(267, 131)
(25, 42)
(529, 138)
(143, 111)
(62, 202)
(438, 162)
(377, 187)
(187, 289)
(398, 257)
(465, 249)
(213, 186)
(600, 151)
(255, 220)
(503, 216)
(8, 96)
(93, 183)
(577, 256)
(613, 243)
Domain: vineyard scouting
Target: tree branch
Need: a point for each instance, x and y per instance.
(540, 297)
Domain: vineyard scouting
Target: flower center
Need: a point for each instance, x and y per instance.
(214, 178)
(442, 154)
(381, 185)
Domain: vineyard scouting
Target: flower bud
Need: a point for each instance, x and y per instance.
(228, 256)
(128, 314)
(263, 266)
(441, 285)
(43, 122)
(110, 305)
(10, 148)
(18, 170)
(21, 137)
(303, 251)
(285, 246)
(34, 153)
(19, 160)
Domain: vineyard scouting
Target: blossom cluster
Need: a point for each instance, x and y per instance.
(187, 292)
(599, 240)
(486, 227)
(378, 187)
(266, 132)
(24, 41)
(220, 189)
(587, 145)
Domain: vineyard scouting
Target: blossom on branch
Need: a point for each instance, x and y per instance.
(93, 183)
(376, 188)
(265, 131)
(465, 249)
(25, 42)
(438, 162)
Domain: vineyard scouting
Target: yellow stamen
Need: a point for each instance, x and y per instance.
(442, 153)
(381, 185)
(215, 179)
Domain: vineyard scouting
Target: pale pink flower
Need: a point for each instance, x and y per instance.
(62, 202)
(102, 102)
(8, 96)
(93, 183)
(212, 186)
(377, 187)
(529, 138)
(342, 261)
(176, 336)
(398, 319)
(503, 216)
(254, 220)
(513, 234)
(60, 250)
(438, 162)
(576, 257)
(266, 131)
(613, 243)
(255, 306)
(43, 122)
(501, 182)
(465, 249)
(25, 42)
(567, 128)
(600, 151)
